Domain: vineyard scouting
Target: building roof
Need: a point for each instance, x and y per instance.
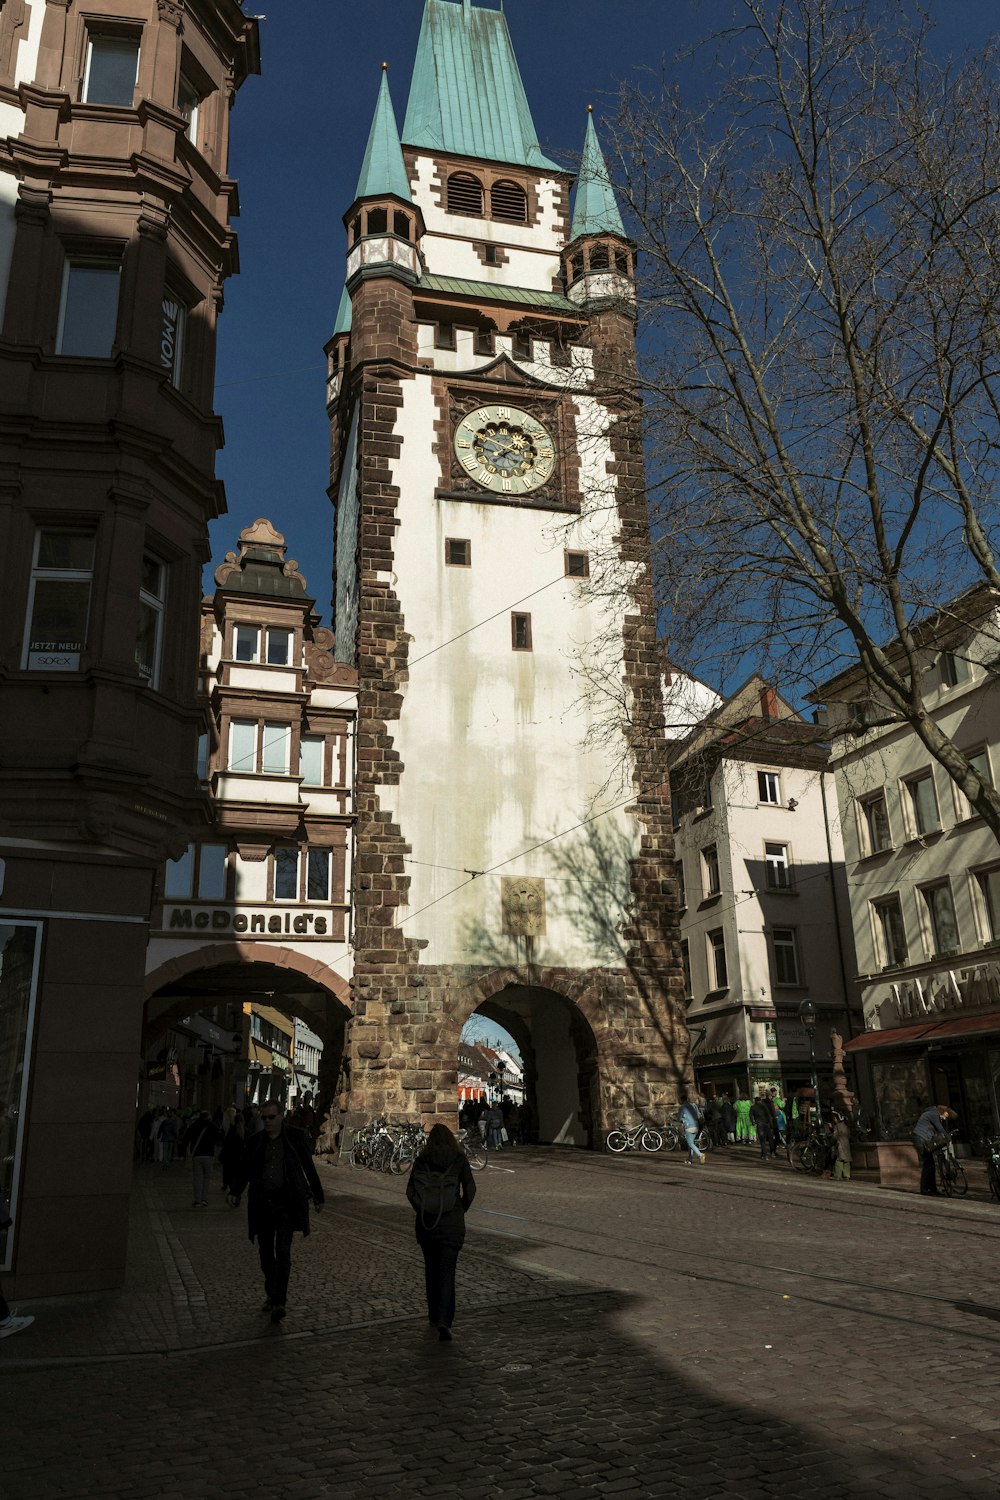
(383, 170)
(345, 314)
(489, 291)
(466, 95)
(260, 566)
(595, 208)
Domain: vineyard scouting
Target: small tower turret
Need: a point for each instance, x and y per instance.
(599, 258)
(383, 223)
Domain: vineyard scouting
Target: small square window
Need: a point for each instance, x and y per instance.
(457, 552)
(444, 336)
(111, 70)
(520, 632)
(491, 254)
(577, 564)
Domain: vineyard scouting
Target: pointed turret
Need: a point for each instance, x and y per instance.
(383, 222)
(599, 259)
(466, 97)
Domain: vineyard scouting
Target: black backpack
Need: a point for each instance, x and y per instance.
(435, 1191)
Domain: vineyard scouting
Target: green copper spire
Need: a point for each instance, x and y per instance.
(466, 96)
(382, 170)
(345, 314)
(595, 210)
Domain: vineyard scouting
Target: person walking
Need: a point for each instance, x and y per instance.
(841, 1149)
(495, 1122)
(692, 1120)
(762, 1118)
(231, 1155)
(744, 1127)
(440, 1190)
(202, 1140)
(728, 1120)
(278, 1168)
(929, 1135)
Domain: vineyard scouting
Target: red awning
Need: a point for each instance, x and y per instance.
(927, 1031)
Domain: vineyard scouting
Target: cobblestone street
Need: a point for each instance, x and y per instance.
(625, 1327)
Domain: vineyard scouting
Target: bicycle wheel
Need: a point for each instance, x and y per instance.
(617, 1140)
(812, 1158)
(703, 1141)
(796, 1155)
(402, 1157)
(993, 1176)
(958, 1184)
(671, 1138)
(650, 1140)
(477, 1156)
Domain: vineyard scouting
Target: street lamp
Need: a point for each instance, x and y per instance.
(807, 1015)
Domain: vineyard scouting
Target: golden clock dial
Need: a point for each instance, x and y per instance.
(505, 449)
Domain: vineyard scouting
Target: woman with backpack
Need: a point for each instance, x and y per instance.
(440, 1189)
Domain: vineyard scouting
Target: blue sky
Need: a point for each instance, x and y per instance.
(298, 137)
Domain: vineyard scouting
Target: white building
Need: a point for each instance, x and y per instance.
(765, 921)
(924, 874)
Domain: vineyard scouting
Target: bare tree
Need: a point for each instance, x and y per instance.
(821, 302)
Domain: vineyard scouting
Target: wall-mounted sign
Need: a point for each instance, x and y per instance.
(932, 996)
(182, 921)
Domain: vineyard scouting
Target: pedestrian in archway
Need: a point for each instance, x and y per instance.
(202, 1140)
(278, 1168)
(441, 1189)
(495, 1124)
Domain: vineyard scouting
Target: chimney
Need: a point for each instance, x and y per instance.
(768, 703)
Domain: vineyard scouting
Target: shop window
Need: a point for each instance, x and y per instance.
(509, 201)
(890, 933)
(719, 969)
(577, 564)
(874, 823)
(88, 313)
(770, 1034)
(786, 958)
(777, 867)
(520, 632)
(986, 899)
(199, 874)
(59, 599)
(172, 327)
(769, 787)
(901, 1095)
(465, 195)
(940, 925)
(710, 879)
(152, 602)
(312, 755)
(920, 801)
(111, 69)
(457, 552)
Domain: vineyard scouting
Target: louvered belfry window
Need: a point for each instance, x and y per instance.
(509, 201)
(465, 195)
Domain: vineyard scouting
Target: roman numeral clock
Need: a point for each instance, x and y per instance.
(505, 449)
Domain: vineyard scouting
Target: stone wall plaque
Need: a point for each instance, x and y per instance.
(523, 902)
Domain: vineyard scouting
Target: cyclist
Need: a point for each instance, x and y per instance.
(929, 1134)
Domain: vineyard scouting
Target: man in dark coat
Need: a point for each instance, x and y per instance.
(278, 1166)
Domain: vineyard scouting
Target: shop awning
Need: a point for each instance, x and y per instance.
(927, 1032)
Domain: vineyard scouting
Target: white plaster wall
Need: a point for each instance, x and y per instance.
(346, 543)
(27, 52)
(500, 746)
(263, 679)
(251, 880)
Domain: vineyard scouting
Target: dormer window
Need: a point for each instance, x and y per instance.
(508, 201)
(465, 195)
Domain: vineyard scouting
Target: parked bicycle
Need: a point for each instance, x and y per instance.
(812, 1152)
(993, 1167)
(642, 1137)
(949, 1174)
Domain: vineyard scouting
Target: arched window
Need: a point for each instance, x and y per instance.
(465, 195)
(509, 201)
(378, 221)
(401, 225)
(599, 258)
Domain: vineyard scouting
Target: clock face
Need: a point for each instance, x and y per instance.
(505, 449)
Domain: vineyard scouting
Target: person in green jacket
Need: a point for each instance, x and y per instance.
(744, 1130)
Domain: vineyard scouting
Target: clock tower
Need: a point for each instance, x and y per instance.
(514, 849)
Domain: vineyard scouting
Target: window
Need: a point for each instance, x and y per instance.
(921, 804)
(786, 959)
(875, 833)
(770, 1034)
(59, 599)
(273, 740)
(890, 934)
(111, 69)
(174, 315)
(769, 787)
(246, 643)
(302, 877)
(483, 341)
(940, 926)
(622, 262)
(710, 882)
(444, 336)
(318, 875)
(521, 345)
(88, 316)
(577, 564)
(491, 255)
(204, 750)
(600, 258)
(777, 867)
(457, 552)
(986, 897)
(465, 195)
(686, 967)
(279, 648)
(954, 669)
(509, 201)
(401, 225)
(286, 874)
(149, 640)
(520, 632)
(679, 873)
(979, 760)
(311, 757)
(199, 874)
(188, 104)
(717, 959)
